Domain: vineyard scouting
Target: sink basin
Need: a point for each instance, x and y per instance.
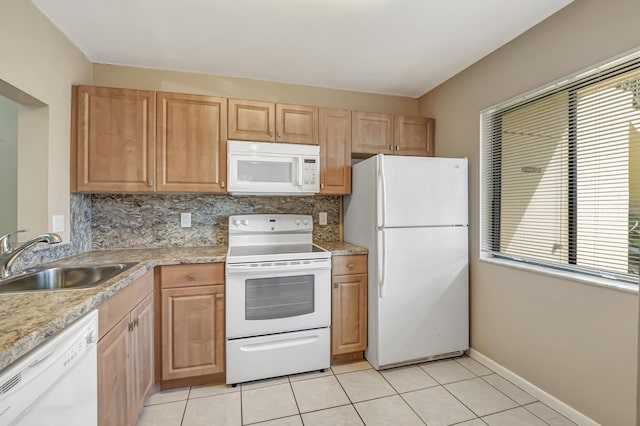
(62, 277)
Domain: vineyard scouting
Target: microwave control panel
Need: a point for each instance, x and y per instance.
(310, 169)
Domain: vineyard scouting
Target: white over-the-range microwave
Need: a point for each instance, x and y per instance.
(265, 168)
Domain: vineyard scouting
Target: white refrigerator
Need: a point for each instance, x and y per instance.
(411, 213)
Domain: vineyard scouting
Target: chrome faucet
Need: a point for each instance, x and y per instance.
(9, 255)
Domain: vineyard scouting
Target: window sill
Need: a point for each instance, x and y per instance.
(573, 276)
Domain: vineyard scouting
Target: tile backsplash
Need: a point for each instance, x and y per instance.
(140, 220)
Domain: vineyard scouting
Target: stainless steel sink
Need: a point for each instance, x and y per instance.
(62, 277)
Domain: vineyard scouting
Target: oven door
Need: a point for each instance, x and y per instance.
(275, 297)
(265, 173)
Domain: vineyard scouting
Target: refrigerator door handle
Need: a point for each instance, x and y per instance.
(382, 262)
(382, 195)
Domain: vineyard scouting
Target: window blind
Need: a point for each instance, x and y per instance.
(561, 175)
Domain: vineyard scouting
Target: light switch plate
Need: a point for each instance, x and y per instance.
(322, 219)
(58, 223)
(185, 220)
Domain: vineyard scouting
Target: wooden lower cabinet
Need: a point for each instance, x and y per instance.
(113, 373)
(125, 354)
(191, 329)
(141, 355)
(348, 306)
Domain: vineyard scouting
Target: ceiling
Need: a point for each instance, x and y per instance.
(396, 47)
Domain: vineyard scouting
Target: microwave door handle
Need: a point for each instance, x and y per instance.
(300, 165)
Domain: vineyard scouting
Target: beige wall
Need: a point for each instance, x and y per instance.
(38, 59)
(575, 341)
(240, 88)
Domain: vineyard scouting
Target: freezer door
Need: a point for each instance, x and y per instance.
(422, 299)
(422, 191)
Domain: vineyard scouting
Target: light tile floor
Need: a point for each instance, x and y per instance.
(458, 391)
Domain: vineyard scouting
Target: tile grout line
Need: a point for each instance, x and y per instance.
(348, 397)
(184, 411)
(455, 397)
(541, 419)
(404, 400)
(503, 393)
(294, 397)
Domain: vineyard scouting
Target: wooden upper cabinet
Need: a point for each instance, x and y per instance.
(296, 124)
(372, 133)
(114, 139)
(334, 136)
(191, 143)
(269, 122)
(414, 136)
(251, 120)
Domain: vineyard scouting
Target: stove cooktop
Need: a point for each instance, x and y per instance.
(275, 252)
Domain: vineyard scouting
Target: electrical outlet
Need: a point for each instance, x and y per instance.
(322, 219)
(58, 223)
(185, 220)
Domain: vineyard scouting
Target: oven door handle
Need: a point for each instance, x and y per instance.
(244, 268)
(279, 344)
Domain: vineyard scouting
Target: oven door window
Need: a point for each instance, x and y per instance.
(279, 297)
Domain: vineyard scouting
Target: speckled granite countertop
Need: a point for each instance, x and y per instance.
(341, 248)
(28, 319)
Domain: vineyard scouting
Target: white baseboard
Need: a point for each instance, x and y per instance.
(553, 402)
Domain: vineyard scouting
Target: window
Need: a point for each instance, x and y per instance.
(561, 175)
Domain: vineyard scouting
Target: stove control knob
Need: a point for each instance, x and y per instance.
(297, 221)
(245, 222)
(305, 221)
(236, 222)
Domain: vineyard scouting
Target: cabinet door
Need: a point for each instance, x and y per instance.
(114, 139)
(335, 151)
(141, 378)
(349, 314)
(251, 120)
(191, 143)
(372, 133)
(113, 376)
(192, 331)
(414, 136)
(297, 124)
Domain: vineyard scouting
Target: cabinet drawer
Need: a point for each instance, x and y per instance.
(344, 265)
(112, 310)
(191, 275)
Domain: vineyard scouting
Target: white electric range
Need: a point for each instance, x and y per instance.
(278, 298)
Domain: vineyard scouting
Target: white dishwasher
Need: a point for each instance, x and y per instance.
(56, 383)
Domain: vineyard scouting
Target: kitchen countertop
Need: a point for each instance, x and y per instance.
(28, 319)
(341, 248)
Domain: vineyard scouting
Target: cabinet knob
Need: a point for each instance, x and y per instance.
(271, 133)
(191, 277)
(219, 296)
(279, 134)
(351, 265)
